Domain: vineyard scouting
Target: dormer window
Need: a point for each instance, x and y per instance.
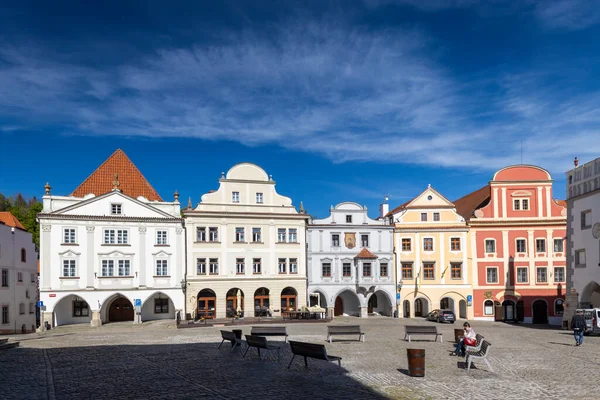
(235, 197)
(259, 198)
(521, 204)
(115, 209)
(348, 219)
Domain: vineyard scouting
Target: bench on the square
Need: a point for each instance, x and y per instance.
(333, 330)
(421, 330)
(260, 342)
(230, 337)
(480, 355)
(270, 331)
(312, 350)
(477, 346)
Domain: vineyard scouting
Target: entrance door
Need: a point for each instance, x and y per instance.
(406, 309)
(288, 302)
(339, 307)
(508, 309)
(540, 312)
(207, 307)
(520, 311)
(372, 303)
(120, 310)
(419, 308)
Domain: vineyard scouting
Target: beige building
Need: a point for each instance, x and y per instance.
(431, 251)
(246, 249)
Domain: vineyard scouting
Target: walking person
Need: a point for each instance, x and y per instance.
(578, 325)
(469, 339)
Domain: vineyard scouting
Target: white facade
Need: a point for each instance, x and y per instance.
(100, 253)
(18, 268)
(345, 284)
(583, 249)
(246, 249)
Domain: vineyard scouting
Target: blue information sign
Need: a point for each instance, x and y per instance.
(40, 304)
(397, 296)
(138, 302)
(469, 298)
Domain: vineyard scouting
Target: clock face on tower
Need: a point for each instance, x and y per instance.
(596, 230)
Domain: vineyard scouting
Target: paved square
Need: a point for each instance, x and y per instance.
(157, 361)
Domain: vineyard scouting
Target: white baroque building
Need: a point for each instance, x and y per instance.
(18, 272)
(113, 250)
(583, 237)
(350, 262)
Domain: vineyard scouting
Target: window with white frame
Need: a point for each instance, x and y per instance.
(115, 209)
(240, 234)
(491, 274)
(281, 235)
(490, 246)
(540, 245)
(213, 266)
(366, 267)
(282, 266)
(542, 275)
(456, 270)
(293, 235)
(427, 244)
(213, 234)
(346, 270)
(200, 234)
(162, 268)
(69, 236)
(348, 219)
(235, 197)
(406, 244)
(521, 246)
(256, 266)
(116, 236)
(436, 216)
(580, 258)
(407, 270)
(335, 240)
(423, 217)
(200, 266)
(161, 237)
(259, 198)
(364, 239)
(383, 269)
(559, 274)
(522, 275)
(521, 204)
(293, 265)
(125, 267)
(558, 245)
(488, 307)
(256, 235)
(428, 270)
(108, 268)
(326, 269)
(455, 244)
(69, 268)
(240, 266)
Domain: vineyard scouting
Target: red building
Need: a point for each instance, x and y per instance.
(517, 233)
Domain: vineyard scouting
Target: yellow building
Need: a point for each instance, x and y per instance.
(431, 256)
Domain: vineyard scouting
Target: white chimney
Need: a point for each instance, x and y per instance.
(384, 208)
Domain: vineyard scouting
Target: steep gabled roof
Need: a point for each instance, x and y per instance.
(364, 253)
(466, 206)
(399, 208)
(8, 219)
(131, 180)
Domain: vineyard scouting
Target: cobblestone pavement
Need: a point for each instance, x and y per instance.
(157, 361)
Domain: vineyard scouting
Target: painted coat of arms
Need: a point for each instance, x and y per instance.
(350, 240)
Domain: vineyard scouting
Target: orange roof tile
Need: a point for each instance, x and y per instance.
(8, 219)
(131, 181)
(467, 205)
(364, 253)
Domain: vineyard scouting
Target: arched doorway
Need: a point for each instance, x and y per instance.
(261, 302)
(379, 304)
(158, 306)
(508, 310)
(339, 306)
(235, 303)
(520, 311)
(462, 309)
(421, 307)
(406, 309)
(317, 299)
(590, 296)
(71, 309)
(120, 309)
(207, 304)
(447, 303)
(540, 312)
(347, 303)
(288, 299)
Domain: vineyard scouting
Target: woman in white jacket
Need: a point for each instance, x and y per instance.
(469, 336)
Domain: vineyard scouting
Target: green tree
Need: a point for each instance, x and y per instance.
(25, 211)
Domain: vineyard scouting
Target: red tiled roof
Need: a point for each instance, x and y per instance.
(10, 220)
(467, 205)
(131, 181)
(364, 253)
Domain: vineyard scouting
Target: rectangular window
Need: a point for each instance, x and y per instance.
(256, 266)
(525, 204)
(586, 219)
(259, 198)
(516, 204)
(347, 269)
(213, 234)
(456, 270)
(492, 275)
(293, 265)
(22, 308)
(542, 275)
(5, 315)
(31, 308)
(281, 266)
(19, 276)
(4, 278)
(200, 266)
(407, 270)
(436, 216)
(235, 197)
(122, 236)
(240, 234)
(32, 278)
(540, 245)
(428, 244)
(69, 235)
(80, 309)
(348, 219)
(559, 274)
(293, 235)
(326, 269)
(383, 269)
(161, 237)
(558, 245)
(281, 235)
(118, 236)
(213, 266)
(580, 258)
(256, 235)
(490, 246)
(27, 293)
(161, 306)
(364, 240)
(335, 240)
(488, 308)
(521, 246)
(115, 209)
(366, 269)
(162, 268)
(108, 268)
(428, 270)
(69, 268)
(240, 266)
(201, 234)
(423, 217)
(522, 275)
(455, 244)
(125, 268)
(406, 244)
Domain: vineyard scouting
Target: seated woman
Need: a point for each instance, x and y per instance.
(469, 338)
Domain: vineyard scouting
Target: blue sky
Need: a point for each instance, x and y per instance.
(338, 100)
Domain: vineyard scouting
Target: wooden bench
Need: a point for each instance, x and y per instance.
(477, 347)
(345, 330)
(480, 355)
(230, 336)
(312, 350)
(270, 331)
(260, 342)
(421, 330)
